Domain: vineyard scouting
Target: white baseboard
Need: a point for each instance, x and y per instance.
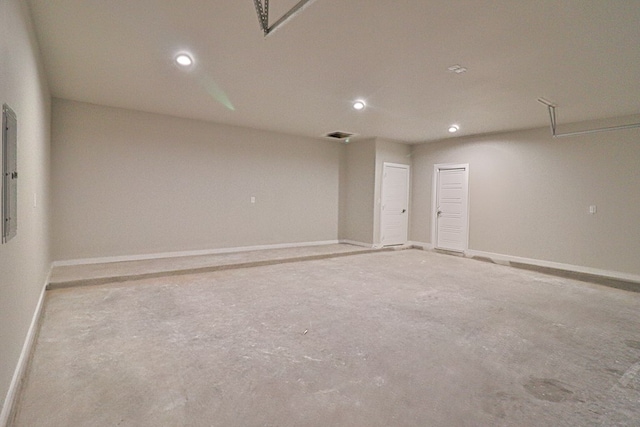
(23, 361)
(105, 260)
(505, 259)
(353, 242)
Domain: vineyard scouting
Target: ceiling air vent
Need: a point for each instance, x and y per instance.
(339, 135)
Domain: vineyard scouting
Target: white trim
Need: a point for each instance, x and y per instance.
(105, 260)
(500, 258)
(353, 242)
(396, 165)
(23, 360)
(434, 195)
(382, 193)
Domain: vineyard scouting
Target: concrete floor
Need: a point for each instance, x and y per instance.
(96, 274)
(401, 338)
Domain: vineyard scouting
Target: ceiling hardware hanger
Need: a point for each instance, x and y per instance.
(263, 14)
(552, 117)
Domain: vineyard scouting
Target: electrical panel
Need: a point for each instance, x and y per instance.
(9, 174)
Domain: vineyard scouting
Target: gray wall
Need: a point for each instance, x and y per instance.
(530, 194)
(357, 191)
(25, 260)
(126, 183)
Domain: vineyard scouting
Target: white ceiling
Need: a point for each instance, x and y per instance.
(302, 79)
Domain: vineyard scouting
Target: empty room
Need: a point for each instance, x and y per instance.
(320, 213)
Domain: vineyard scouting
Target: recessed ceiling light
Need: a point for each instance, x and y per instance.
(359, 105)
(184, 60)
(454, 128)
(458, 69)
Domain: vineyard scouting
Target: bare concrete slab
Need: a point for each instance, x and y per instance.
(97, 274)
(400, 338)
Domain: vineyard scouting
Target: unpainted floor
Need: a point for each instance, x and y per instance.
(400, 338)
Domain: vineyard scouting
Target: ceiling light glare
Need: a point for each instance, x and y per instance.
(359, 105)
(454, 128)
(184, 60)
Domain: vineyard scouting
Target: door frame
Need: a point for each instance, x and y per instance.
(434, 202)
(408, 185)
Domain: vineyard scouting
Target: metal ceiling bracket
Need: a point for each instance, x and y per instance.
(552, 118)
(263, 14)
(262, 9)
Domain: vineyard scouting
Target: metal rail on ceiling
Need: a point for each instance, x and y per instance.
(554, 123)
(262, 9)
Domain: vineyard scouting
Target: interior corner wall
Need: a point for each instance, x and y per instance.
(25, 259)
(530, 194)
(342, 195)
(132, 183)
(390, 152)
(357, 191)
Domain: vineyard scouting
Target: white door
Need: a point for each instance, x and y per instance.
(450, 210)
(394, 217)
